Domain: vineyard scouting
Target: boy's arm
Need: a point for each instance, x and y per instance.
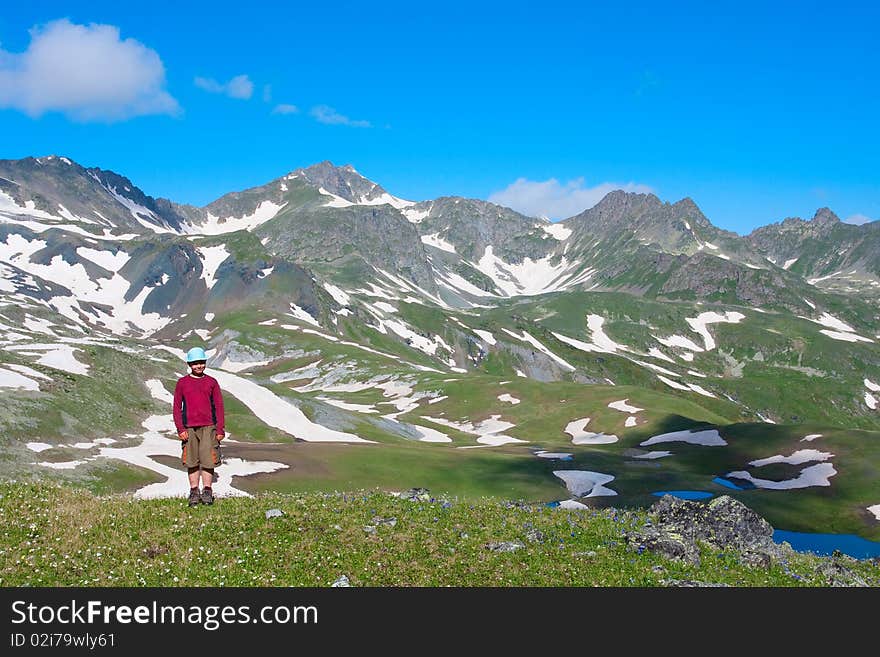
(218, 409)
(177, 406)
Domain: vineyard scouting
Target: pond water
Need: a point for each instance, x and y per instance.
(825, 544)
(685, 494)
(730, 484)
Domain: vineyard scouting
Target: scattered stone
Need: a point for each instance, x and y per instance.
(589, 554)
(691, 583)
(837, 572)
(535, 536)
(274, 513)
(416, 495)
(370, 529)
(154, 551)
(760, 560)
(504, 546)
(342, 581)
(379, 520)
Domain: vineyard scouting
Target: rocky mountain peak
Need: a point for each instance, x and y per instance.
(619, 205)
(686, 207)
(825, 216)
(343, 181)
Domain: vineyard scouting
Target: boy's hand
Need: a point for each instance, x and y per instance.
(183, 435)
(220, 435)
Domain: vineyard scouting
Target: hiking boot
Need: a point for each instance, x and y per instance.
(207, 496)
(193, 496)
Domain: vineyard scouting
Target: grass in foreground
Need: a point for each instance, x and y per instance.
(61, 537)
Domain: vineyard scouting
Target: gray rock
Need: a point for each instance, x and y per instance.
(691, 583)
(837, 572)
(723, 523)
(342, 581)
(504, 546)
(535, 536)
(416, 495)
(274, 513)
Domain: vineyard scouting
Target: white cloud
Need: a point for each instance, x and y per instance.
(858, 219)
(328, 115)
(86, 72)
(557, 201)
(284, 108)
(238, 87)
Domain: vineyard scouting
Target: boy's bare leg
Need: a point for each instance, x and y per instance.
(193, 474)
(207, 477)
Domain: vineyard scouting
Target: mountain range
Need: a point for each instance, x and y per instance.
(368, 340)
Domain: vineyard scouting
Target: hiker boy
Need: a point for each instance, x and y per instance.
(198, 416)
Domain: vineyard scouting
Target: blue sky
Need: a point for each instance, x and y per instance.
(757, 113)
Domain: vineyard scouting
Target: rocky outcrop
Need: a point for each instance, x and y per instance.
(677, 527)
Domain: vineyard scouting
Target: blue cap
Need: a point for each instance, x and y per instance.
(196, 353)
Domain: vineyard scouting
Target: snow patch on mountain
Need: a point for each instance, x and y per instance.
(359, 408)
(488, 431)
(215, 225)
(56, 356)
(557, 231)
(144, 216)
(698, 324)
(679, 341)
(831, 322)
(340, 296)
(10, 379)
(584, 483)
(540, 347)
(621, 405)
(9, 206)
(104, 258)
(487, 337)
(105, 291)
(383, 199)
(579, 436)
(814, 475)
(303, 315)
(796, 458)
(708, 437)
(845, 337)
(600, 340)
(27, 371)
(456, 283)
(212, 257)
(438, 242)
(415, 216)
(278, 412)
(656, 353)
(530, 277)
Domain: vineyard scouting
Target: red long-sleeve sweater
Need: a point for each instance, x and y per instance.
(198, 402)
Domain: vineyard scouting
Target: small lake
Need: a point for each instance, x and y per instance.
(826, 544)
(746, 485)
(685, 494)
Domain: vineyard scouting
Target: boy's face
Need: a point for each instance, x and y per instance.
(198, 367)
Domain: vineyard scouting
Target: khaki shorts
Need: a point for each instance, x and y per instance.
(202, 448)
